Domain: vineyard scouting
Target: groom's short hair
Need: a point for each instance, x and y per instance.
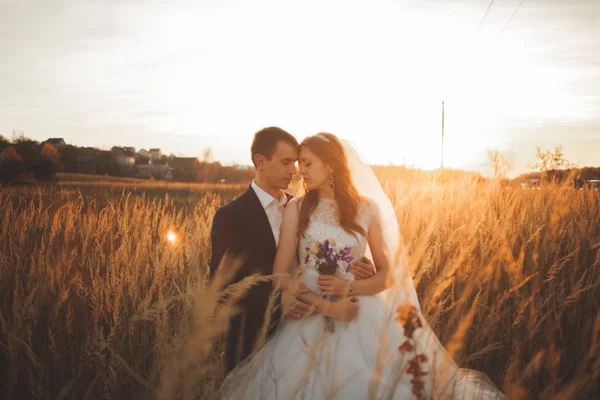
(266, 139)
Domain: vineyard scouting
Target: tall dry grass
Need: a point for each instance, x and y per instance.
(95, 303)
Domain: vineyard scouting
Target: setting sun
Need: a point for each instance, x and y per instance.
(491, 84)
(375, 73)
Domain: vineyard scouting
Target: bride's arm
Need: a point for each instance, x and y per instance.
(285, 258)
(366, 287)
(382, 279)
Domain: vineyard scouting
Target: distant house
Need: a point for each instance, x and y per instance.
(142, 153)
(155, 154)
(159, 169)
(58, 143)
(123, 156)
(140, 160)
(143, 166)
(187, 169)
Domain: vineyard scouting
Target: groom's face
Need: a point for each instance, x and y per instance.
(280, 170)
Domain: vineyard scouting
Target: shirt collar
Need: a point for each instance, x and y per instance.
(265, 198)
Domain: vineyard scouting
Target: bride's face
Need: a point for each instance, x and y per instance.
(314, 172)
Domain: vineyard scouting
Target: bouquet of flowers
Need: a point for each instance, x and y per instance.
(326, 258)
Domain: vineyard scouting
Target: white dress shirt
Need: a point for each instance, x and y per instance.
(273, 208)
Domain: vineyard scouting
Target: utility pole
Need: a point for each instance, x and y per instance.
(442, 167)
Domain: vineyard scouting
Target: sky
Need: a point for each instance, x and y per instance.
(189, 75)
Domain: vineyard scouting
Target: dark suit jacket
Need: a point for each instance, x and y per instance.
(242, 228)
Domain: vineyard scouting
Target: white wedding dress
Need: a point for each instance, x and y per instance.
(361, 358)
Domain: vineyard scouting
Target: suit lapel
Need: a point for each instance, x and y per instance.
(257, 218)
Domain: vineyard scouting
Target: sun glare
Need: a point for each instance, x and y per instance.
(171, 237)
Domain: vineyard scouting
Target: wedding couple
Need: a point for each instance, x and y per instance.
(337, 325)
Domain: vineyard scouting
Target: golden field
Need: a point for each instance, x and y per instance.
(95, 302)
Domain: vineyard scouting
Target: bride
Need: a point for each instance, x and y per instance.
(385, 349)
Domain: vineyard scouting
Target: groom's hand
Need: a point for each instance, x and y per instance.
(362, 269)
(294, 308)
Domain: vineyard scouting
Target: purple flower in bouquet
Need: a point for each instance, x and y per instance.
(327, 260)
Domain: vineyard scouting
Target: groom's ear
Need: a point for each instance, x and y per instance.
(259, 161)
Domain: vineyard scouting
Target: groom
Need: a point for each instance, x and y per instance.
(249, 227)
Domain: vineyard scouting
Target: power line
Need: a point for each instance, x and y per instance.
(512, 16)
(486, 13)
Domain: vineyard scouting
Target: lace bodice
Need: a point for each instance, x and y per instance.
(324, 225)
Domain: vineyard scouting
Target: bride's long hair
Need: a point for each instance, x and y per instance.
(330, 151)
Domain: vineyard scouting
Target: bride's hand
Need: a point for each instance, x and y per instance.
(345, 310)
(331, 285)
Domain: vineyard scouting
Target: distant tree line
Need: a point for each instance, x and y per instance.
(554, 167)
(550, 166)
(23, 159)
